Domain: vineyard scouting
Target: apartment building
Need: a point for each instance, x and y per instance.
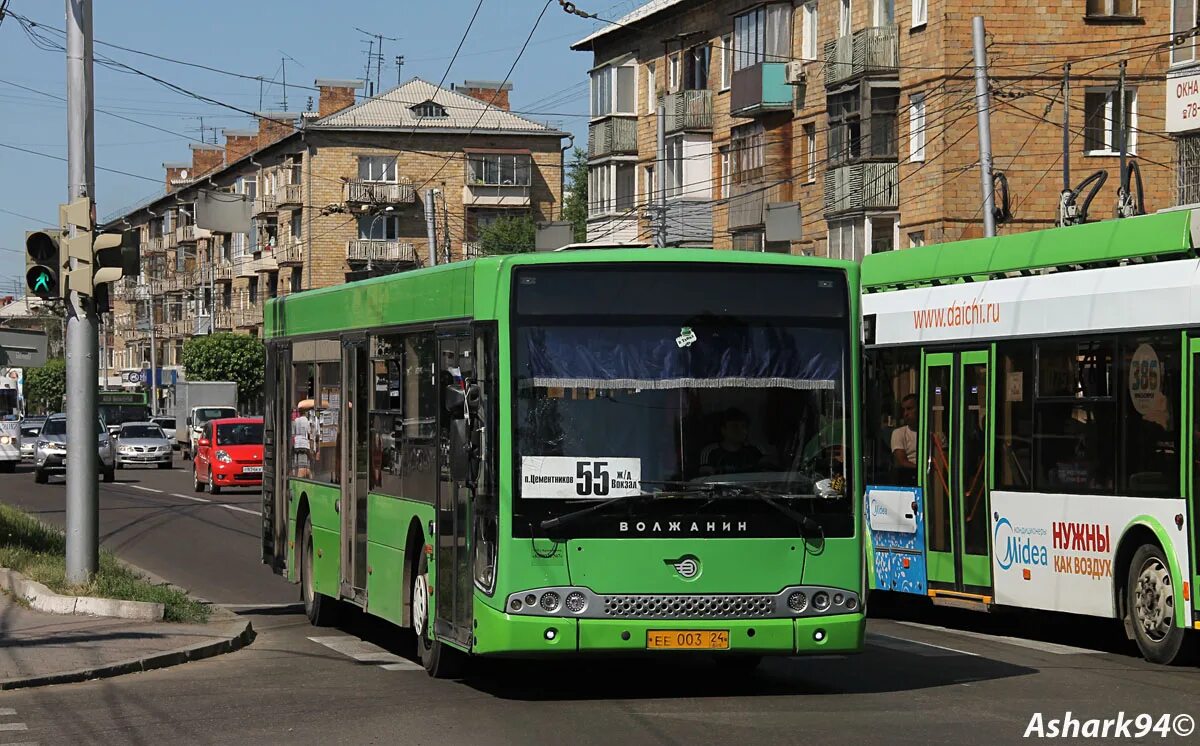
(860, 116)
(335, 194)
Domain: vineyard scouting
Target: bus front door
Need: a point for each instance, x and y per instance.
(955, 478)
(453, 591)
(353, 434)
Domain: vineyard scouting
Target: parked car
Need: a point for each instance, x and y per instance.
(30, 427)
(168, 427)
(50, 455)
(229, 453)
(143, 444)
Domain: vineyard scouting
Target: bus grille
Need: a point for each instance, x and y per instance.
(689, 607)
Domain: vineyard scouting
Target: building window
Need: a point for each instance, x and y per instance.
(763, 35)
(916, 127)
(746, 142)
(1183, 19)
(748, 241)
(378, 228)
(810, 152)
(695, 73)
(808, 32)
(296, 280)
(1111, 8)
(498, 169)
(614, 90)
(376, 168)
(611, 187)
(651, 194)
(1188, 192)
(920, 12)
(272, 284)
(845, 22)
(915, 239)
(847, 142)
(251, 291)
(883, 233)
(247, 185)
(846, 239)
(297, 225)
(845, 127)
(673, 72)
(651, 89)
(430, 109)
(626, 183)
(726, 61)
(673, 166)
(1100, 134)
(726, 174)
(885, 12)
(227, 295)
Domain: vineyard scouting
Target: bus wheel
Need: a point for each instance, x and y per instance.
(440, 661)
(1150, 600)
(320, 610)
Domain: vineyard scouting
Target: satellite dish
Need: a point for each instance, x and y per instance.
(183, 174)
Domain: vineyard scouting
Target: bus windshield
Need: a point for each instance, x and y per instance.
(713, 379)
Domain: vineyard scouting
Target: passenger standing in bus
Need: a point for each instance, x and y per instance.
(302, 440)
(904, 443)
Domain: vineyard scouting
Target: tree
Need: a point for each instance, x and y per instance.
(227, 357)
(575, 202)
(45, 387)
(508, 235)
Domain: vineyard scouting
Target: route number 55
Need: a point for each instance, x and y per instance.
(591, 478)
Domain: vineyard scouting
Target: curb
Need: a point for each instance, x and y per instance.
(196, 652)
(42, 598)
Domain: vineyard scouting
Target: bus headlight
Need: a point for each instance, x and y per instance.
(550, 601)
(5, 440)
(797, 601)
(821, 601)
(576, 602)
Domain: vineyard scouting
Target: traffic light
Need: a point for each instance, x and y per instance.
(43, 262)
(78, 215)
(99, 258)
(112, 263)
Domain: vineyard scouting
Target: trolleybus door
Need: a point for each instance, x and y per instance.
(1193, 473)
(276, 435)
(354, 454)
(954, 479)
(453, 592)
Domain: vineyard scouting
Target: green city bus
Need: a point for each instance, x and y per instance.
(574, 452)
(1030, 423)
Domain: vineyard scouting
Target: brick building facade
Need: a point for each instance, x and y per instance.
(335, 195)
(860, 115)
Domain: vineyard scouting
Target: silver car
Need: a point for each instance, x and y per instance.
(30, 427)
(143, 444)
(50, 455)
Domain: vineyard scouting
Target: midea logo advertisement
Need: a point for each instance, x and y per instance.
(1018, 545)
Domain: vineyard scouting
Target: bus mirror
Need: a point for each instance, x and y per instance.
(460, 451)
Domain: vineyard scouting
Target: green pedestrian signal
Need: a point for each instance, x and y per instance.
(42, 257)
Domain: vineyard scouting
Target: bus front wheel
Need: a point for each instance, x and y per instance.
(440, 660)
(1150, 603)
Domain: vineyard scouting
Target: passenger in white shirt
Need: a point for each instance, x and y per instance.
(904, 443)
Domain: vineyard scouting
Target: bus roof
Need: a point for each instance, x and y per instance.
(468, 288)
(1146, 237)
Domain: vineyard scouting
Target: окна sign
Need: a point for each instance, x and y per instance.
(1183, 103)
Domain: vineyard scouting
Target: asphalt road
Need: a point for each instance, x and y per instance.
(926, 676)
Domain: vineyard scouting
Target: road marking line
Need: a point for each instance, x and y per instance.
(365, 652)
(191, 497)
(13, 726)
(145, 489)
(240, 510)
(1045, 647)
(904, 645)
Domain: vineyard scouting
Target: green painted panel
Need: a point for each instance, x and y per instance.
(389, 518)
(776, 93)
(1168, 547)
(385, 582)
(326, 561)
(1153, 236)
(292, 574)
(322, 503)
(497, 632)
(940, 567)
(977, 570)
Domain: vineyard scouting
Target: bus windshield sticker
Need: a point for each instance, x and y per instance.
(686, 337)
(579, 477)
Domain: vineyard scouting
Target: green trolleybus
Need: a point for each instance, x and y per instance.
(574, 452)
(1031, 423)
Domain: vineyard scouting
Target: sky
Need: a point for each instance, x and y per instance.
(252, 38)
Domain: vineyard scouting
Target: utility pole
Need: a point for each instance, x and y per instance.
(283, 64)
(660, 210)
(399, 68)
(153, 380)
(983, 107)
(1066, 127)
(431, 226)
(446, 224)
(1124, 203)
(82, 500)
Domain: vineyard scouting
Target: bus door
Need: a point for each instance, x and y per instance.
(354, 454)
(954, 450)
(276, 442)
(453, 590)
(1193, 469)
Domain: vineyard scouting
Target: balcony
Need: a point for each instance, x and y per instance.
(265, 204)
(748, 204)
(472, 250)
(379, 192)
(246, 318)
(872, 50)
(267, 261)
(760, 89)
(245, 266)
(862, 186)
(222, 271)
(688, 111)
(189, 234)
(156, 245)
(290, 253)
(377, 250)
(170, 240)
(612, 136)
(290, 195)
(223, 319)
(689, 221)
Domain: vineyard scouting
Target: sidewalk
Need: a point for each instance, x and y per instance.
(38, 648)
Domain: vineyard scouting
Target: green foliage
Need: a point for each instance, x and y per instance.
(38, 552)
(509, 235)
(45, 387)
(575, 206)
(227, 357)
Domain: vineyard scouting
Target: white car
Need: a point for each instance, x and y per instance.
(143, 444)
(168, 427)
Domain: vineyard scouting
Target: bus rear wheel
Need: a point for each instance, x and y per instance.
(440, 660)
(320, 610)
(1150, 601)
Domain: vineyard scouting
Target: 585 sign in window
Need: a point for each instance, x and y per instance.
(579, 477)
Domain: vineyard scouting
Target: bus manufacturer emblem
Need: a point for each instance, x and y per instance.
(688, 567)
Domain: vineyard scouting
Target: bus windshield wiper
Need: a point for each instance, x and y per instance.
(559, 521)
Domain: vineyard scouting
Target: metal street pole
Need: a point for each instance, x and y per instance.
(82, 500)
(153, 382)
(431, 226)
(983, 108)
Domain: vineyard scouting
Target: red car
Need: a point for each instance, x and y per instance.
(229, 454)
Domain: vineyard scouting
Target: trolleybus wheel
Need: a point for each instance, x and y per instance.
(320, 610)
(440, 660)
(1150, 600)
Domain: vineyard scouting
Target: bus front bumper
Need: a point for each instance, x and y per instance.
(500, 633)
